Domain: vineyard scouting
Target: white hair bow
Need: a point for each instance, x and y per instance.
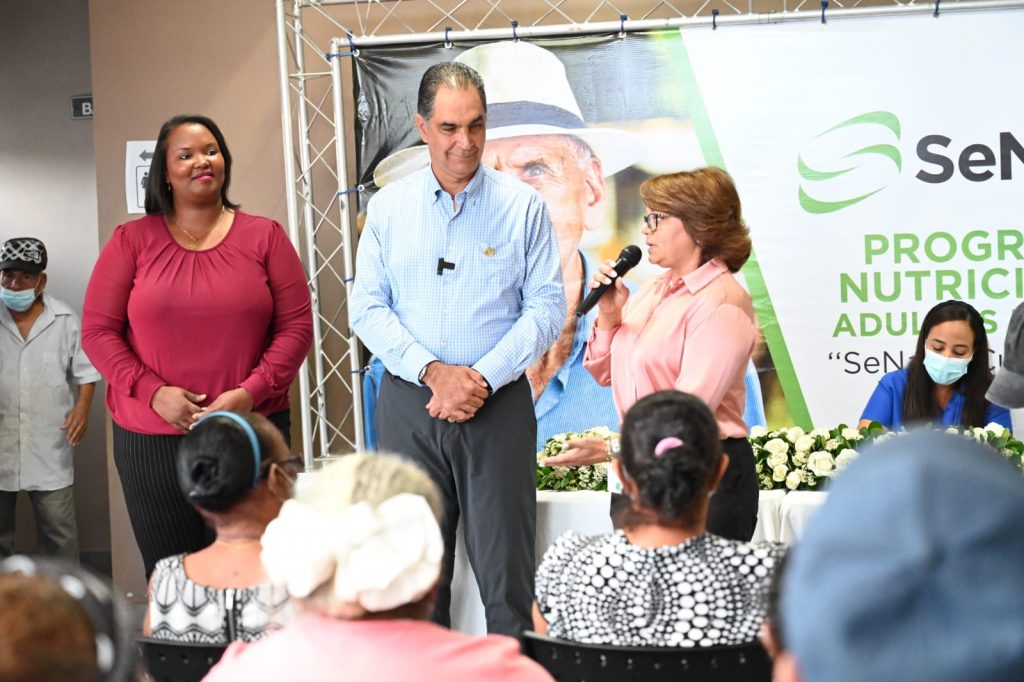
(380, 558)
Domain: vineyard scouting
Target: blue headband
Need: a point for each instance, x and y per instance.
(249, 431)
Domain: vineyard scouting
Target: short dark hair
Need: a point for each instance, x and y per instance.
(159, 200)
(216, 467)
(673, 483)
(919, 403)
(454, 75)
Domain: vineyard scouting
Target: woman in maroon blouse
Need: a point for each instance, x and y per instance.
(195, 308)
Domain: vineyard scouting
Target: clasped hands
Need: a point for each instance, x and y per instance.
(181, 408)
(459, 391)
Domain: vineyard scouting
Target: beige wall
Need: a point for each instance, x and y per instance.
(152, 60)
(47, 190)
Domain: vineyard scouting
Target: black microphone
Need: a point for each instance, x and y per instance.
(628, 258)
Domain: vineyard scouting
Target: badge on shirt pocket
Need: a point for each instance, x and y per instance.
(497, 263)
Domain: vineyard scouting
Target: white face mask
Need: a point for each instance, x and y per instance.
(944, 370)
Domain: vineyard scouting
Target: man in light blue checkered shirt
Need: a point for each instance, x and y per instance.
(458, 290)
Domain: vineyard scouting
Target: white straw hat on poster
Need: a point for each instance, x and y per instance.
(528, 93)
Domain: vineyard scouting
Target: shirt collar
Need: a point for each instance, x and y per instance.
(435, 189)
(696, 280)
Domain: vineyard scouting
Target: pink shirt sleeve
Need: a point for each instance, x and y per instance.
(598, 357)
(105, 322)
(292, 326)
(727, 335)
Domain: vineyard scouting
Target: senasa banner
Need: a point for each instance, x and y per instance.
(880, 163)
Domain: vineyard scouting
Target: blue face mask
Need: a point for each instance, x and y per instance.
(18, 301)
(944, 370)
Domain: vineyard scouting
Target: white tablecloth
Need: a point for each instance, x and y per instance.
(783, 516)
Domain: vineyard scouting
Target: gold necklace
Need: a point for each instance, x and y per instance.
(193, 240)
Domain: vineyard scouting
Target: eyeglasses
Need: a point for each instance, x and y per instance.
(651, 221)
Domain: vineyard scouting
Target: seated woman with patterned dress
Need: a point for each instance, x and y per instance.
(945, 382)
(662, 580)
(236, 470)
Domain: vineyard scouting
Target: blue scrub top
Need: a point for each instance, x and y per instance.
(886, 405)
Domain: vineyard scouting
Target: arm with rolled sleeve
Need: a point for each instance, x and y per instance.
(543, 313)
(292, 325)
(715, 351)
(105, 322)
(372, 317)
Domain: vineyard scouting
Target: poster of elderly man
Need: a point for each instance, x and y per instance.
(569, 119)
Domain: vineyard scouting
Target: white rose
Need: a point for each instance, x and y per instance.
(779, 473)
(851, 434)
(758, 431)
(776, 446)
(821, 463)
(952, 429)
(844, 458)
(820, 433)
(777, 459)
(804, 443)
(794, 433)
(980, 434)
(996, 430)
(832, 444)
(793, 480)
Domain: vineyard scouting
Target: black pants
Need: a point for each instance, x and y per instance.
(732, 512)
(163, 521)
(484, 467)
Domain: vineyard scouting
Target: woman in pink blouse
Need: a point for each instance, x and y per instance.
(195, 308)
(691, 328)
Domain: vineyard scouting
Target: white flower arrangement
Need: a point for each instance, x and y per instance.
(586, 477)
(793, 460)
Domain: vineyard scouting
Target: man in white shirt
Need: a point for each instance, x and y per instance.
(44, 407)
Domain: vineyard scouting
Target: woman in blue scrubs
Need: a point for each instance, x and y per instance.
(945, 382)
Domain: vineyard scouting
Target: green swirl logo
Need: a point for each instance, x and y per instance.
(817, 182)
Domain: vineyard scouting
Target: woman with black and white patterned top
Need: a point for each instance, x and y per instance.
(236, 471)
(662, 580)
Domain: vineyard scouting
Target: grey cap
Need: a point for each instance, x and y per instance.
(913, 569)
(1008, 387)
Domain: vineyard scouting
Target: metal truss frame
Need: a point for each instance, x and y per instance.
(316, 36)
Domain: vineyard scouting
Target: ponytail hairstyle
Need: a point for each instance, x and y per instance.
(224, 457)
(670, 450)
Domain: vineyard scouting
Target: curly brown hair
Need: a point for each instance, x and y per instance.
(709, 206)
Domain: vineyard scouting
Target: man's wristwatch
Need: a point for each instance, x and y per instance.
(423, 372)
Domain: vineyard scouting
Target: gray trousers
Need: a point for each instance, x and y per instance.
(56, 530)
(485, 470)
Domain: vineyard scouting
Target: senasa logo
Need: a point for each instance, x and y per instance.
(860, 143)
